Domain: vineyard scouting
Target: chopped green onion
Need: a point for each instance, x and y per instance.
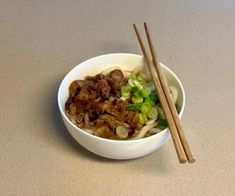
(134, 107)
(137, 84)
(152, 113)
(145, 93)
(142, 118)
(162, 122)
(137, 99)
(140, 79)
(131, 83)
(153, 96)
(126, 92)
(132, 76)
(145, 108)
(149, 101)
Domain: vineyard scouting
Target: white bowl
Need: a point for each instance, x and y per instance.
(115, 149)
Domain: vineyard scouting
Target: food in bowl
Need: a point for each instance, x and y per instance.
(115, 149)
(117, 104)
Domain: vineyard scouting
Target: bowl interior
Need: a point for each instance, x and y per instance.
(119, 60)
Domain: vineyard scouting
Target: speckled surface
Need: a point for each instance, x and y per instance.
(40, 41)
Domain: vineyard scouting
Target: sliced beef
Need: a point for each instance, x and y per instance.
(109, 120)
(117, 75)
(132, 119)
(94, 103)
(96, 77)
(105, 132)
(103, 88)
(86, 94)
(69, 101)
(117, 108)
(116, 80)
(77, 85)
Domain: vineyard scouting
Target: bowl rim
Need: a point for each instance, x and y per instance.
(166, 130)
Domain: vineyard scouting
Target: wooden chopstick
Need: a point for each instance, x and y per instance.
(169, 100)
(173, 129)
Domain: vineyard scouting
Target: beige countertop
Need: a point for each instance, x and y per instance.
(40, 41)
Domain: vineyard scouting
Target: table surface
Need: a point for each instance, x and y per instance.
(42, 40)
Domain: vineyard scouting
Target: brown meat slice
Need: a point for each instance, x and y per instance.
(117, 75)
(132, 119)
(92, 115)
(105, 132)
(109, 120)
(96, 77)
(69, 101)
(103, 88)
(86, 93)
(76, 86)
(116, 80)
(76, 116)
(88, 123)
(117, 108)
(89, 105)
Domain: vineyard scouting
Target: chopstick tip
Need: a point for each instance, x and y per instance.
(182, 161)
(191, 160)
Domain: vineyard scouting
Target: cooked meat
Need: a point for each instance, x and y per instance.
(96, 77)
(77, 85)
(93, 115)
(74, 115)
(69, 101)
(116, 80)
(80, 106)
(103, 88)
(86, 93)
(89, 105)
(99, 77)
(74, 88)
(117, 108)
(117, 75)
(105, 132)
(109, 120)
(132, 119)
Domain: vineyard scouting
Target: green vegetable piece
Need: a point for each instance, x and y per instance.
(152, 113)
(145, 93)
(145, 108)
(126, 92)
(142, 118)
(137, 93)
(134, 107)
(131, 83)
(149, 101)
(138, 85)
(162, 122)
(137, 97)
(140, 79)
(132, 76)
(153, 96)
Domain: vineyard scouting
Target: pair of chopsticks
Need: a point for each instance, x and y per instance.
(180, 142)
